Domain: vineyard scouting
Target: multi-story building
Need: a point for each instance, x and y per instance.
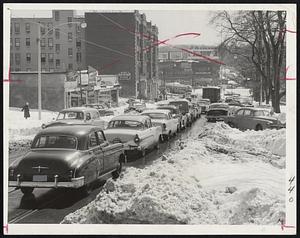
(177, 65)
(123, 43)
(62, 48)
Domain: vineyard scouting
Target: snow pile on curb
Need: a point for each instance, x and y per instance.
(195, 184)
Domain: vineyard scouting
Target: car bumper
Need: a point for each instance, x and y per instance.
(133, 147)
(74, 183)
(276, 127)
(216, 118)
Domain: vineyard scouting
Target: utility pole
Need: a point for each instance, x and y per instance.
(39, 74)
(80, 87)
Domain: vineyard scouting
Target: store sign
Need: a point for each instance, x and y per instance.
(92, 74)
(124, 76)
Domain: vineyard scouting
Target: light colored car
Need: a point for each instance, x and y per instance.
(184, 108)
(253, 119)
(136, 132)
(204, 104)
(163, 118)
(77, 116)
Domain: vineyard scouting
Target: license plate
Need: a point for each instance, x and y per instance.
(39, 178)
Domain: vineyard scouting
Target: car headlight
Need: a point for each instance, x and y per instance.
(43, 126)
(136, 139)
(164, 126)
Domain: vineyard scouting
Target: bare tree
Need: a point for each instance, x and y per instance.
(264, 33)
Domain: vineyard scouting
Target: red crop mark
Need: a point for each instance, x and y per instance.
(9, 80)
(290, 31)
(5, 227)
(283, 225)
(287, 78)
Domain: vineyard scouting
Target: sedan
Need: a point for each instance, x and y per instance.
(163, 118)
(77, 116)
(217, 112)
(137, 132)
(67, 157)
(253, 119)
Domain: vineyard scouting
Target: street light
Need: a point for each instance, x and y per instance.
(82, 24)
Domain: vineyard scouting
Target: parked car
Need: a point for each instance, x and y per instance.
(67, 157)
(175, 114)
(136, 132)
(184, 108)
(138, 106)
(197, 110)
(77, 116)
(204, 104)
(163, 118)
(253, 119)
(102, 109)
(217, 112)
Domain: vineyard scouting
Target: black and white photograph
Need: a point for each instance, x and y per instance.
(149, 119)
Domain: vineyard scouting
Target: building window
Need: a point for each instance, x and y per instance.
(70, 52)
(27, 41)
(70, 66)
(43, 58)
(50, 57)
(70, 20)
(70, 37)
(17, 28)
(78, 57)
(11, 42)
(50, 42)
(57, 63)
(51, 69)
(17, 58)
(78, 44)
(28, 57)
(57, 33)
(57, 48)
(43, 70)
(17, 69)
(43, 29)
(50, 27)
(43, 42)
(28, 69)
(27, 27)
(56, 15)
(17, 42)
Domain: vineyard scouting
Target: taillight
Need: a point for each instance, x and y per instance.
(164, 126)
(136, 139)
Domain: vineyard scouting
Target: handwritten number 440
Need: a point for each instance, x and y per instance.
(291, 188)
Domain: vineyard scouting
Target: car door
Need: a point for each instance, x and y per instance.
(247, 117)
(95, 167)
(149, 133)
(238, 118)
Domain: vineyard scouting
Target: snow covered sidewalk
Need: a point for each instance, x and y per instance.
(219, 176)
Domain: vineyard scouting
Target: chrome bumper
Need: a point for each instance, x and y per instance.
(75, 183)
(132, 147)
(217, 118)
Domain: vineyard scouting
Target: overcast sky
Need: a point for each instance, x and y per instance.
(169, 23)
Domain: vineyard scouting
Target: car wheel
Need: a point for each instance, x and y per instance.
(27, 190)
(231, 124)
(117, 172)
(258, 127)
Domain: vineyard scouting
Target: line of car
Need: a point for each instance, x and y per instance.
(74, 151)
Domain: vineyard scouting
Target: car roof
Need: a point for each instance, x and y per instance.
(157, 111)
(72, 130)
(140, 118)
(79, 109)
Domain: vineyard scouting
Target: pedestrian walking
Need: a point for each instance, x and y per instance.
(26, 110)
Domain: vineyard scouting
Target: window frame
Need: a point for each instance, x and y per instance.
(27, 40)
(17, 40)
(15, 27)
(28, 54)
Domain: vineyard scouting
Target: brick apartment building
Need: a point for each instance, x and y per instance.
(127, 48)
(61, 48)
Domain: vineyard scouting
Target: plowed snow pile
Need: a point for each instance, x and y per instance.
(222, 176)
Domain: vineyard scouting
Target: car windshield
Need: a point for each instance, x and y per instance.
(70, 115)
(55, 141)
(218, 105)
(127, 124)
(156, 115)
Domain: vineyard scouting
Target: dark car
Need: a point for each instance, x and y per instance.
(138, 106)
(217, 112)
(68, 157)
(253, 119)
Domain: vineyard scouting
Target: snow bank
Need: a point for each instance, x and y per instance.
(217, 177)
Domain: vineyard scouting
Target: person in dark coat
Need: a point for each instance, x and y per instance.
(26, 110)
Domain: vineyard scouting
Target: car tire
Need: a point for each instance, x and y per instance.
(231, 124)
(258, 127)
(117, 172)
(27, 190)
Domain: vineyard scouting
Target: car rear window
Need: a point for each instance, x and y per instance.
(126, 124)
(156, 115)
(55, 141)
(70, 115)
(259, 113)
